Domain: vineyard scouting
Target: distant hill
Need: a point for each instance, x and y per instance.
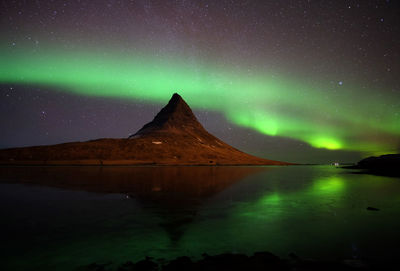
(388, 165)
(173, 137)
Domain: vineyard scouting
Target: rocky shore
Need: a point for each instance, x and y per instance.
(258, 261)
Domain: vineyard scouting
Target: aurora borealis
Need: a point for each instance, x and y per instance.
(317, 73)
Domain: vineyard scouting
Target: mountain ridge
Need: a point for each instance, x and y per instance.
(173, 137)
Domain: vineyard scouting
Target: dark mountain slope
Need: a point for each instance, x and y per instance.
(174, 137)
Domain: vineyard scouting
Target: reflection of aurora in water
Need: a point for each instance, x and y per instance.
(311, 211)
(263, 101)
(271, 205)
(319, 190)
(328, 185)
(316, 212)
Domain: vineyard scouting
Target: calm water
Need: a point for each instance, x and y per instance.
(66, 217)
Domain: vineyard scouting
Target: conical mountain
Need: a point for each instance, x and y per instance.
(176, 134)
(175, 117)
(173, 137)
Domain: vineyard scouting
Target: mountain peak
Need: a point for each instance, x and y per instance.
(176, 97)
(176, 115)
(176, 103)
(173, 137)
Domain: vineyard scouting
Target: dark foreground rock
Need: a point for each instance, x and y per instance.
(258, 261)
(385, 165)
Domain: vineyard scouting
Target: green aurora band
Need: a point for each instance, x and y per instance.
(328, 116)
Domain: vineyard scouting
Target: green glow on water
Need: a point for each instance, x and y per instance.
(284, 209)
(271, 199)
(332, 184)
(313, 112)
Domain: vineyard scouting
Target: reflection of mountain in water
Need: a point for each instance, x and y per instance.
(174, 193)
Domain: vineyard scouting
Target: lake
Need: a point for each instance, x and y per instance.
(61, 218)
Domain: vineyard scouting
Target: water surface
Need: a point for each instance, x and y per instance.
(65, 217)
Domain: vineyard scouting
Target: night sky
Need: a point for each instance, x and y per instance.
(299, 81)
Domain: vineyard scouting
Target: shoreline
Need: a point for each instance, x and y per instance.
(98, 162)
(237, 261)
